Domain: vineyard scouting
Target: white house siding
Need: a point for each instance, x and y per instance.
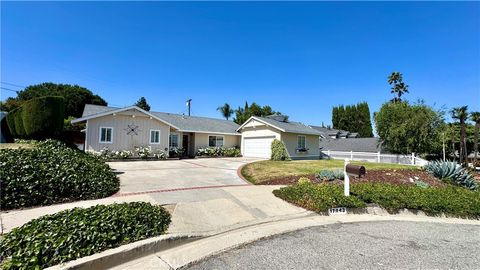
(120, 139)
(311, 143)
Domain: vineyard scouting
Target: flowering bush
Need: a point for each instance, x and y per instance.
(143, 151)
(175, 152)
(218, 152)
(104, 152)
(122, 154)
(160, 154)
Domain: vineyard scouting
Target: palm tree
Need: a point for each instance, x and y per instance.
(461, 114)
(402, 88)
(475, 116)
(394, 79)
(226, 110)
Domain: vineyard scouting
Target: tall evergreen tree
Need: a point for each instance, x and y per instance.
(335, 117)
(353, 118)
(142, 103)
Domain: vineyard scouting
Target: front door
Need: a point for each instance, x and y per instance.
(185, 144)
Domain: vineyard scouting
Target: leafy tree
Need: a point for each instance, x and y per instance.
(75, 97)
(475, 116)
(399, 87)
(243, 114)
(406, 128)
(461, 114)
(142, 103)
(226, 110)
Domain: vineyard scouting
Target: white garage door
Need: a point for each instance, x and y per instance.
(260, 147)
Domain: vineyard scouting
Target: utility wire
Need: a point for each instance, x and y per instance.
(12, 84)
(8, 89)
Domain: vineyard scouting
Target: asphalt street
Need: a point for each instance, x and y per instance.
(367, 245)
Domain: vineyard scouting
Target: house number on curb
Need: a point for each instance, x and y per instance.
(132, 129)
(337, 211)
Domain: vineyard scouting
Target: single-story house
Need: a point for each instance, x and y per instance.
(301, 141)
(125, 128)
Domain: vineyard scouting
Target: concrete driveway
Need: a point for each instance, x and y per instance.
(167, 175)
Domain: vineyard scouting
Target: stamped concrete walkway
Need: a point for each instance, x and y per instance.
(193, 211)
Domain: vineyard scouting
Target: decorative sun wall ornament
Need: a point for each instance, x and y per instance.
(132, 129)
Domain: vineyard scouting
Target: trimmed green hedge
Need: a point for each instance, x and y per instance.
(317, 198)
(79, 232)
(43, 117)
(38, 118)
(279, 151)
(451, 200)
(51, 173)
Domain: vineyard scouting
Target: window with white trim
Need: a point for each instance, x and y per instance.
(301, 142)
(173, 140)
(154, 136)
(106, 134)
(215, 141)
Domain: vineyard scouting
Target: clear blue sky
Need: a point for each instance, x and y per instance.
(300, 58)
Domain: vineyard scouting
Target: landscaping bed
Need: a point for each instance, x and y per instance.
(392, 176)
(79, 232)
(449, 200)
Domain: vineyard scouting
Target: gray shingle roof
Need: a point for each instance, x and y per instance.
(90, 109)
(184, 123)
(352, 144)
(198, 124)
(290, 127)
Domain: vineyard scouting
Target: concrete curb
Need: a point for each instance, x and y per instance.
(123, 254)
(176, 251)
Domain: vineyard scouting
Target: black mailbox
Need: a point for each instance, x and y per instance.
(355, 170)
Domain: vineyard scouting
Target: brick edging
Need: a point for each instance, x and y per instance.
(239, 173)
(173, 189)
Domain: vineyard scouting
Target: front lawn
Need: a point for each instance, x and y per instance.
(263, 171)
(449, 200)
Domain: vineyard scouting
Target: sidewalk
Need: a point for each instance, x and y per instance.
(194, 211)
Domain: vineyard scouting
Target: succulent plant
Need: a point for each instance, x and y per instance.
(451, 171)
(329, 175)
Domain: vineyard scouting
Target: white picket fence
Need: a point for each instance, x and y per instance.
(375, 157)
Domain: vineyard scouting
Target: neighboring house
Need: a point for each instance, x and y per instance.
(125, 128)
(335, 133)
(372, 145)
(301, 141)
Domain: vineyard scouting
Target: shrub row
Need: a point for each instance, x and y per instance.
(143, 152)
(317, 198)
(279, 151)
(51, 173)
(79, 232)
(218, 152)
(451, 200)
(37, 118)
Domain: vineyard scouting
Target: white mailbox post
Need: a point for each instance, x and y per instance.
(346, 181)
